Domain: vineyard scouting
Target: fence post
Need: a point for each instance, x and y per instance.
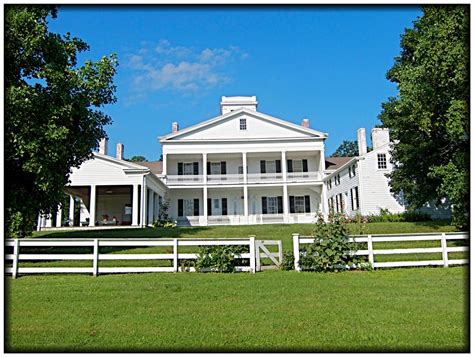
(371, 250)
(95, 262)
(280, 252)
(175, 255)
(296, 250)
(257, 255)
(16, 253)
(252, 254)
(444, 245)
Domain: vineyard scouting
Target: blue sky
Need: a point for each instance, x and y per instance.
(327, 64)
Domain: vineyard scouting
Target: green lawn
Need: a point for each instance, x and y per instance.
(420, 309)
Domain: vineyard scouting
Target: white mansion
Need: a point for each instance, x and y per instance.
(241, 167)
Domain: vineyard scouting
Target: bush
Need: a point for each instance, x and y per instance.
(331, 250)
(219, 258)
(163, 220)
(288, 261)
(408, 216)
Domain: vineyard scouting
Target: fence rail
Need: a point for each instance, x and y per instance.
(370, 252)
(96, 256)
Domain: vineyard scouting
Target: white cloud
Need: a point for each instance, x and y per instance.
(163, 66)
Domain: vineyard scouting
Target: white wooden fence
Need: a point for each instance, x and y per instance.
(95, 257)
(371, 252)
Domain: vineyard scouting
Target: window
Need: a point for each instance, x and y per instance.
(339, 203)
(352, 170)
(355, 198)
(215, 168)
(188, 168)
(330, 183)
(188, 207)
(382, 161)
(337, 179)
(270, 167)
(243, 124)
(272, 205)
(297, 165)
(299, 204)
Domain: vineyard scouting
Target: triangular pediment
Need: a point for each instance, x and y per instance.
(243, 124)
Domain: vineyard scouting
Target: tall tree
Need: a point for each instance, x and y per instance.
(137, 158)
(53, 119)
(429, 118)
(347, 148)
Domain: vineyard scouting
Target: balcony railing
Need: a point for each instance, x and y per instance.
(262, 178)
(303, 176)
(183, 179)
(225, 179)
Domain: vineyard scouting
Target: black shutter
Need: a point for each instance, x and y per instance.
(223, 168)
(264, 205)
(278, 166)
(262, 167)
(195, 168)
(307, 205)
(209, 207)
(208, 168)
(289, 165)
(292, 204)
(180, 208)
(180, 168)
(280, 204)
(357, 197)
(196, 207)
(305, 165)
(224, 206)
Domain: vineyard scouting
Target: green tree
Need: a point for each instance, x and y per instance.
(53, 119)
(347, 148)
(429, 118)
(137, 158)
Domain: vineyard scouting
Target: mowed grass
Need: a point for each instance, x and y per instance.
(419, 309)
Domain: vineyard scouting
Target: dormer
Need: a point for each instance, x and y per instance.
(229, 104)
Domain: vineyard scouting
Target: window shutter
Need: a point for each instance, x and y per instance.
(262, 167)
(264, 205)
(307, 204)
(280, 204)
(208, 167)
(292, 204)
(289, 165)
(305, 165)
(209, 207)
(195, 168)
(180, 208)
(352, 198)
(223, 168)
(356, 189)
(180, 168)
(196, 206)
(278, 166)
(224, 206)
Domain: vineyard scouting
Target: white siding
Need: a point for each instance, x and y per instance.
(347, 183)
(101, 172)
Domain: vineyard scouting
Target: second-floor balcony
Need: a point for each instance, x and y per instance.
(252, 178)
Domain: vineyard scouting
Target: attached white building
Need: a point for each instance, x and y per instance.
(359, 184)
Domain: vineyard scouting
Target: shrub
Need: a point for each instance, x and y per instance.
(163, 219)
(408, 216)
(219, 258)
(331, 250)
(288, 261)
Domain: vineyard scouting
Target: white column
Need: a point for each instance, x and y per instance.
(49, 222)
(244, 166)
(324, 200)
(92, 206)
(286, 217)
(204, 169)
(204, 204)
(283, 166)
(246, 203)
(150, 206)
(164, 164)
(71, 210)
(59, 217)
(40, 220)
(135, 205)
(143, 203)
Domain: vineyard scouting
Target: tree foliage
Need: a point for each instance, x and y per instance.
(137, 158)
(53, 119)
(347, 148)
(429, 118)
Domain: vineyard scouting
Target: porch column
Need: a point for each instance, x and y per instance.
(150, 206)
(164, 166)
(283, 166)
(92, 206)
(59, 217)
(204, 169)
(246, 203)
(155, 206)
(71, 210)
(49, 222)
(143, 204)
(324, 201)
(286, 216)
(135, 205)
(40, 220)
(244, 166)
(204, 204)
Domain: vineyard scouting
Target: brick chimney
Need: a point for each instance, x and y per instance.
(119, 152)
(174, 127)
(305, 123)
(361, 141)
(103, 144)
